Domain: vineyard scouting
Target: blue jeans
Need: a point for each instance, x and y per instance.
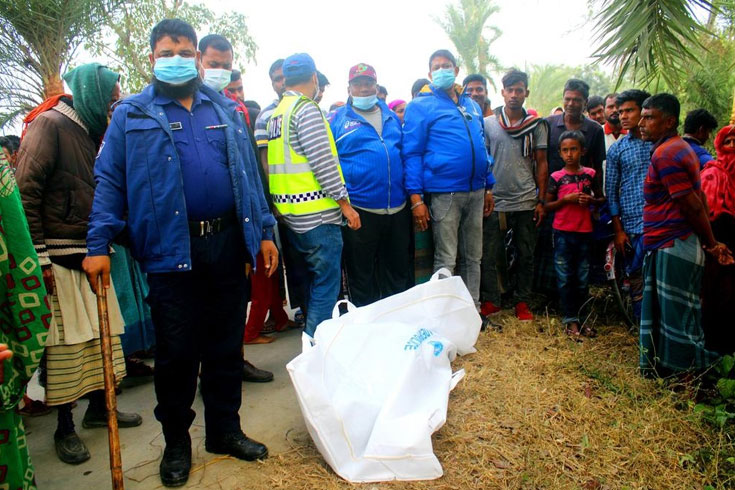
(571, 262)
(457, 225)
(321, 249)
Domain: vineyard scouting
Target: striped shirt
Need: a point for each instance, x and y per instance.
(261, 125)
(673, 173)
(309, 137)
(627, 165)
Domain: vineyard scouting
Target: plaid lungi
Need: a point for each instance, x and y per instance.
(671, 335)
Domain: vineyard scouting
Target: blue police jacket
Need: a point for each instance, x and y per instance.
(371, 163)
(444, 144)
(139, 185)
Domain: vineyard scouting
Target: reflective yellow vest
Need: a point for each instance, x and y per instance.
(293, 187)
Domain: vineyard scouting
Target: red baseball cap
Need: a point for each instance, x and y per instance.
(362, 70)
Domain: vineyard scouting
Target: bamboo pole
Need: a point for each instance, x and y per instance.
(732, 117)
(110, 398)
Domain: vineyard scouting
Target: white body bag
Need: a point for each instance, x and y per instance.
(374, 384)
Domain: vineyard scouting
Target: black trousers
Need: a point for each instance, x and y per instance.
(376, 256)
(199, 317)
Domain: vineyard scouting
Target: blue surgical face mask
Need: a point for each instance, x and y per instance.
(364, 103)
(217, 78)
(443, 78)
(175, 69)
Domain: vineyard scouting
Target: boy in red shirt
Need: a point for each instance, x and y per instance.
(570, 193)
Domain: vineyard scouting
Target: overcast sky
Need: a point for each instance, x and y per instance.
(397, 37)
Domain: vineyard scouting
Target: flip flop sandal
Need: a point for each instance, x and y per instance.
(285, 326)
(268, 327)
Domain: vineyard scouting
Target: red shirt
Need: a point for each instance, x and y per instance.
(674, 172)
(609, 130)
(241, 108)
(572, 216)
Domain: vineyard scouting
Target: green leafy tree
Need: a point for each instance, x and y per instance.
(38, 40)
(601, 83)
(129, 27)
(684, 47)
(466, 24)
(710, 84)
(546, 83)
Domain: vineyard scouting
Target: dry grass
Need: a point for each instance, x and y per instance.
(539, 411)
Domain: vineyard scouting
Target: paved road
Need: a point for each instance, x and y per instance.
(269, 413)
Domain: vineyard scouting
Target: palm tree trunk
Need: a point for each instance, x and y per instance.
(52, 85)
(712, 17)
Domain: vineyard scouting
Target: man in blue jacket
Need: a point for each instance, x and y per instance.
(177, 173)
(368, 137)
(446, 164)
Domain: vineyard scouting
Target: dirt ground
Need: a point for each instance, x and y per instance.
(269, 412)
(535, 411)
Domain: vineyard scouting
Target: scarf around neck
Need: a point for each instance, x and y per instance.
(523, 131)
(44, 106)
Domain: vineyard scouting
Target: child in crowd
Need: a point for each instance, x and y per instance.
(571, 192)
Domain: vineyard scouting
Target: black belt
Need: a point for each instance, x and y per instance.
(211, 226)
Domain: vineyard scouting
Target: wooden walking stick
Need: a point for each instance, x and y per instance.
(110, 398)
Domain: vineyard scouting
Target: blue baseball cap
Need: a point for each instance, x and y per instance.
(298, 65)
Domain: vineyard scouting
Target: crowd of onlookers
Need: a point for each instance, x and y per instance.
(188, 202)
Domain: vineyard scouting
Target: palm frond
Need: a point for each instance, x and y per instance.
(649, 38)
(38, 39)
(465, 23)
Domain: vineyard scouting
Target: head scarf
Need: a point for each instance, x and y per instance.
(718, 178)
(395, 104)
(92, 86)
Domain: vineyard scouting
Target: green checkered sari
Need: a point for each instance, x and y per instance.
(24, 323)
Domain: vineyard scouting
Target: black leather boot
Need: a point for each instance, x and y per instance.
(254, 375)
(238, 445)
(70, 448)
(176, 462)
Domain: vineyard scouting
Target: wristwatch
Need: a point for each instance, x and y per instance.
(542, 202)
